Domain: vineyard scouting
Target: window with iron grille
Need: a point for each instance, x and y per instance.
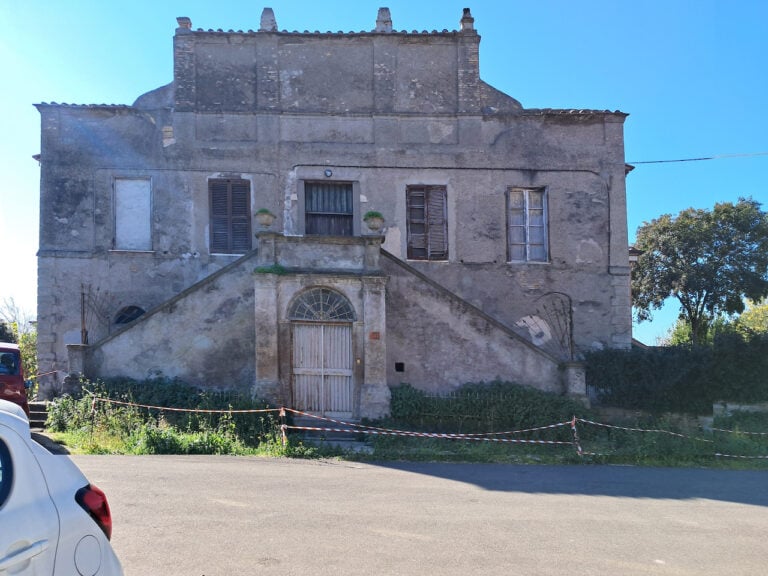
(427, 223)
(328, 209)
(321, 305)
(230, 216)
(527, 225)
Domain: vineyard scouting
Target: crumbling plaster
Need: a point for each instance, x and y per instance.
(383, 110)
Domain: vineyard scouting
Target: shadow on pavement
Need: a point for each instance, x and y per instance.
(740, 486)
(48, 444)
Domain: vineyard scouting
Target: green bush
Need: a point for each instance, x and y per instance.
(157, 431)
(69, 412)
(481, 407)
(681, 378)
(151, 438)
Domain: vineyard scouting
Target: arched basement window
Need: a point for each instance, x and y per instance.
(128, 314)
(321, 305)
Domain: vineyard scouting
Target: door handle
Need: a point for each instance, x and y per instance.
(23, 555)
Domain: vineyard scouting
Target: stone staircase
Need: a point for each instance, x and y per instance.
(345, 441)
(38, 414)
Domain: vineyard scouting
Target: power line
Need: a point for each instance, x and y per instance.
(715, 157)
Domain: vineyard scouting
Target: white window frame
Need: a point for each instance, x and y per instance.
(527, 225)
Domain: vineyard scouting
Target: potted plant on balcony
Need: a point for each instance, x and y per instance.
(264, 217)
(374, 220)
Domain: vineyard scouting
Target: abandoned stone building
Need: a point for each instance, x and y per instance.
(314, 217)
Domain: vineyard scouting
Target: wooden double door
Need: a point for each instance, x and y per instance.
(322, 374)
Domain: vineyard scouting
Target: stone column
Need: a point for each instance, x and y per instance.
(267, 248)
(374, 393)
(267, 383)
(372, 253)
(77, 356)
(575, 381)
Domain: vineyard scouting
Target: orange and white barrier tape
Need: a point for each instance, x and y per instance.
(425, 435)
(169, 409)
(644, 430)
(355, 428)
(363, 428)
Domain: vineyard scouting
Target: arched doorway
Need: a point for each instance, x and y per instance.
(322, 358)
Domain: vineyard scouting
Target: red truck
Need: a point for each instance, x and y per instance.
(12, 385)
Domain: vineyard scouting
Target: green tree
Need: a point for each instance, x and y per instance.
(681, 334)
(22, 331)
(709, 261)
(6, 332)
(28, 348)
(754, 320)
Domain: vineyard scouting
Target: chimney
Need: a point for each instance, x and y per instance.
(384, 21)
(268, 22)
(185, 25)
(467, 22)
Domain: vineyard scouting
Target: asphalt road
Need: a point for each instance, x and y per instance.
(223, 516)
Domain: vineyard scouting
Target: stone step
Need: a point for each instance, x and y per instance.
(328, 434)
(38, 414)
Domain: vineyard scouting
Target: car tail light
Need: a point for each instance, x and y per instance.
(94, 501)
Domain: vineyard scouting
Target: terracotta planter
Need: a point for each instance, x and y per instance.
(265, 219)
(375, 223)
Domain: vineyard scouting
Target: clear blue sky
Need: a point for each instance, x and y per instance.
(691, 73)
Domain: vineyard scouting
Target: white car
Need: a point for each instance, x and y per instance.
(53, 522)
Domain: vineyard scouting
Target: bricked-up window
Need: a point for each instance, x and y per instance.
(328, 208)
(133, 214)
(230, 216)
(527, 225)
(427, 223)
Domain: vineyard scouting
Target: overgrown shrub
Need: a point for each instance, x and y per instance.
(681, 378)
(481, 407)
(157, 431)
(68, 413)
(152, 438)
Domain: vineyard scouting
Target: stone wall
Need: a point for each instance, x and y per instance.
(204, 335)
(382, 110)
(438, 342)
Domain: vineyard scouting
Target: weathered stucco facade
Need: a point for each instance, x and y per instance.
(503, 252)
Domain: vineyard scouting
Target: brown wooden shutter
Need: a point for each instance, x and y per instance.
(417, 223)
(427, 223)
(219, 216)
(230, 216)
(437, 225)
(240, 216)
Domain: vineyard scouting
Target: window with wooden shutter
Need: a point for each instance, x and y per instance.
(328, 208)
(230, 216)
(427, 223)
(527, 225)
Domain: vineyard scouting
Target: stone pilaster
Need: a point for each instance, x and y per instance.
(374, 393)
(267, 381)
(574, 379)
(184, 66)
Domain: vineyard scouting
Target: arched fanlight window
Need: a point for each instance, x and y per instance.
(128, 314)
(321, 305)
